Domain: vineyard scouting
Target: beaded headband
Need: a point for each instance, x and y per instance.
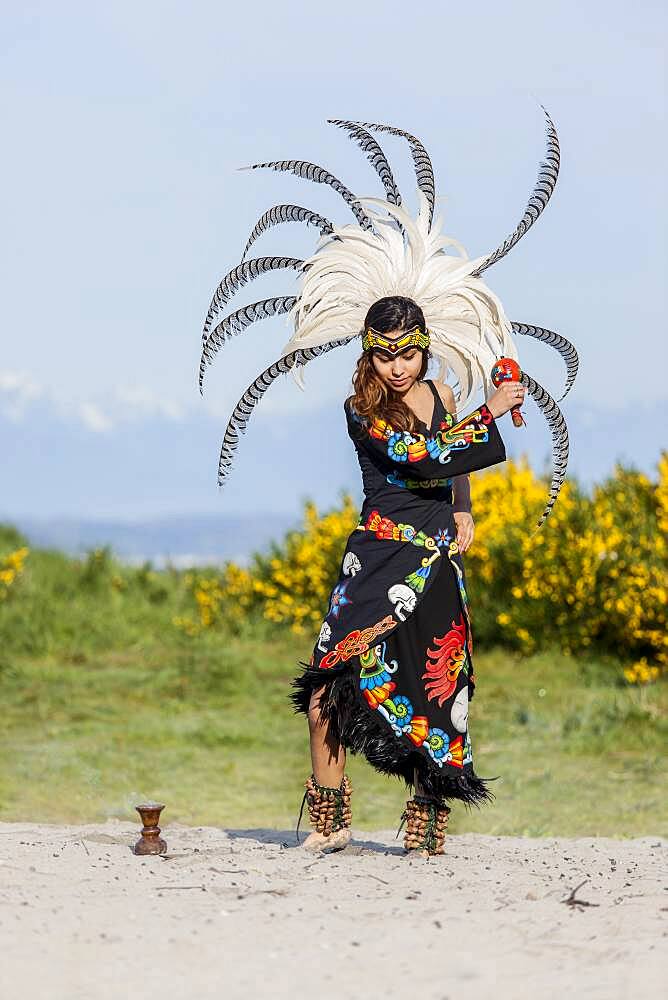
(415, 338)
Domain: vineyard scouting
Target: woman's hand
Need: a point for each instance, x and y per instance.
(508, 394)
(465, 526)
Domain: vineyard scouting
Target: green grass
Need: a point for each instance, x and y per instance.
(205, 725)
(106, 703)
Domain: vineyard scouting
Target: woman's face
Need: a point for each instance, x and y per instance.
(398, 371)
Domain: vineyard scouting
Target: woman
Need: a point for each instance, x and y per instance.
(391, 672)
(401, 701)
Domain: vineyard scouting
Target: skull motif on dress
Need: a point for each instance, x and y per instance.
(351, 564)
(324, 637)
(403, 599)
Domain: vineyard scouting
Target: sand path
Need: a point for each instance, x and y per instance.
(232, 914)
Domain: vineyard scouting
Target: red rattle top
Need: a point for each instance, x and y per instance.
(508, 370)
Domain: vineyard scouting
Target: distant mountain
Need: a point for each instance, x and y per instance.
(77, 480)
(182, 540)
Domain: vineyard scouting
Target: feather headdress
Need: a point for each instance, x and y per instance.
(387, 252)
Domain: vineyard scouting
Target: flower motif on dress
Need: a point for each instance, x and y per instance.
(338, 598)
(445, 662)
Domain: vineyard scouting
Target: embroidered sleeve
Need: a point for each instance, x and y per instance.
(456, 448)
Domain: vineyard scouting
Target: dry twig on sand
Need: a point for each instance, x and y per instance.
(572, 900)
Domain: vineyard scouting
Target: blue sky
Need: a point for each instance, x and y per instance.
(123, 129)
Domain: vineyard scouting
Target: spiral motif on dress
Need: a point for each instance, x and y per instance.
(402, 709)
(397, 448)
(438, 742)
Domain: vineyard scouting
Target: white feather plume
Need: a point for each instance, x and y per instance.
(352, 268)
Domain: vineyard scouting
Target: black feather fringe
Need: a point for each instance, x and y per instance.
(360, 731)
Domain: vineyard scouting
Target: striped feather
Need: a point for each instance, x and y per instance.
(565, 348)
(236, 323)
(312, 172)
(243, 411)
(548, 172)
(559, 430)
(374, 155)
(287, 213)
(241, 275)
(424, 171)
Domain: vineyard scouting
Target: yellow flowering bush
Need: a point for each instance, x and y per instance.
(294, 582)
(208, 593)
(11, 567)
(662, 494)
(289, 586)
(641, 672)
(594, 576)
(515, 572)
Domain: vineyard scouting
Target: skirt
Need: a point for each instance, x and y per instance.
(403, 703)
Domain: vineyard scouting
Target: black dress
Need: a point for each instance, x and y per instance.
(394, 653)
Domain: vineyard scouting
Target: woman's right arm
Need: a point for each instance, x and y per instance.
(466, 445)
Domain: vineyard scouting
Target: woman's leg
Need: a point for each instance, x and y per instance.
(419, 790)
(328, 757)
(329, 810)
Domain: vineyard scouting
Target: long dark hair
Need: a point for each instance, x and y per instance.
(371, 397)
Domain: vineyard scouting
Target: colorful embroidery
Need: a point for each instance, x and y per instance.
(395, 479)
(459, 712)
(351, 564)
(338, 599)
(377, 686)
(378, 689)
(403, 598)
(444, 750)
(448, 659)
(404, 446)
(356, 642)
(419, 577)
(375, 676)
(387, 529)
(443, 537)
(453, 550)
(324, 636)
(438, 743)
(455, 755)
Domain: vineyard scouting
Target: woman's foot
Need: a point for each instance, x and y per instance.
(336, 841)
(330, 815)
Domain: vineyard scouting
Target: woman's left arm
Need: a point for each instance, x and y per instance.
(462, 484)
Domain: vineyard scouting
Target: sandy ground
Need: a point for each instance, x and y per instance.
(245, 913)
